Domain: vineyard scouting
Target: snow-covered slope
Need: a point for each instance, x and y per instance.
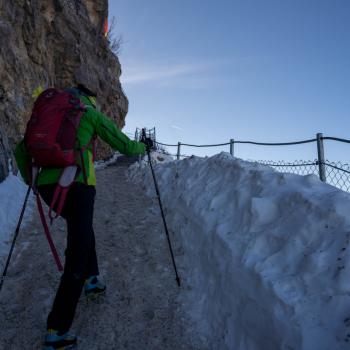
(266, 255)
(12, 194)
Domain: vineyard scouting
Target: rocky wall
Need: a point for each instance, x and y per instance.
(53, 43)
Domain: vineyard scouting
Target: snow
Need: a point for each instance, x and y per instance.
(102, 164)
(265, 258)
(158, 157)
(12, 194)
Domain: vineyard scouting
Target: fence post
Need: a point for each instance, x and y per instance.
(178, 150)
(232, 142)
(320, 154)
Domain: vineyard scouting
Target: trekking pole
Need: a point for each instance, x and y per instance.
(14, 238)
(162, 212)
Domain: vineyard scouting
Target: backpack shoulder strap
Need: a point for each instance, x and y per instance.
(82, 149)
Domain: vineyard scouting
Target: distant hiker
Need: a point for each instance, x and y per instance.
(81, 267)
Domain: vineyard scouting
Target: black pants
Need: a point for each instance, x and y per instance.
(81, 260)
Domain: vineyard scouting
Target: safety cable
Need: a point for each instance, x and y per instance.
(335, 167)
(335, 139)
(251, 142)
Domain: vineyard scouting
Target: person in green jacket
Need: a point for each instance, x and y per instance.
(81, 267)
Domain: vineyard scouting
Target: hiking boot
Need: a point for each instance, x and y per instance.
(94, 287)
(54, 340)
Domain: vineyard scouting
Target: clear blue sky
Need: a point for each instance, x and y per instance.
(205, 71)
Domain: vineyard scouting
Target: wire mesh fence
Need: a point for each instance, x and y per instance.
(334, 173)
(299, 167)
(338, 175)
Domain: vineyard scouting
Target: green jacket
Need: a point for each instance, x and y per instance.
(92, 123)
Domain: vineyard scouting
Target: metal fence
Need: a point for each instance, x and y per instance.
(300, 167)
(338, 175)
(151, 133)
(334, 173)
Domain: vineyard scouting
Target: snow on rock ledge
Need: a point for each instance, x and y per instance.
(266, 256)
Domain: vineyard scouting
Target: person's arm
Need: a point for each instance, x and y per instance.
(108, 131)
(23, 160)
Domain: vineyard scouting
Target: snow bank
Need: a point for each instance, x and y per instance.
(266, 255)
(12, 194)
(102, 164)
(158, 157)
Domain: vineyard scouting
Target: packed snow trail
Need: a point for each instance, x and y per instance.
(140, 309)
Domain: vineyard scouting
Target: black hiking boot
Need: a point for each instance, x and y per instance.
(94, 287)
(54, 340)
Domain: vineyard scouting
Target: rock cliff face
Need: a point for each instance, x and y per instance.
(53, 43)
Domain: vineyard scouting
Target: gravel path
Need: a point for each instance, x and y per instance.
(141, 309)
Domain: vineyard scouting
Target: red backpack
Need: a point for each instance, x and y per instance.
(50, 139)
(51, 131)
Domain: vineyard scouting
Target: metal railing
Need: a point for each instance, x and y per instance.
(151, 133)
(334, 173)
(338, 175)
(300, 167)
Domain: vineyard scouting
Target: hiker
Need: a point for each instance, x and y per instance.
(81, 267)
